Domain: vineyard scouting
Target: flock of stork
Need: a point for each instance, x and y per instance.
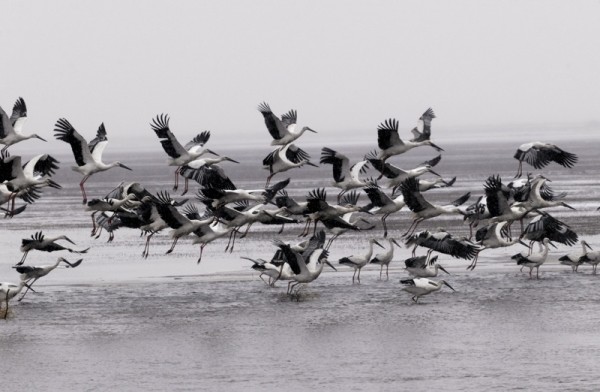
(227, 208)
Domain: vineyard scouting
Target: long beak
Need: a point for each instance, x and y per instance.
(554, 246)
(231, 160)
(588, 246)
(124, 167)
(364, 220)
(312, 130)
(73, 265)
(309, 163)
(522, 243)
(381, 246)
(436, 147)
(443, 269)
(394, 241)
(212, 152)
(41, 138)
(448, 284)
(17, 211)
(54, 185)
(69, 240)
(434, 173)
(331, 265)
(568, 206)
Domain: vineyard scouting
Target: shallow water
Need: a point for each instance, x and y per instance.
(166, 323)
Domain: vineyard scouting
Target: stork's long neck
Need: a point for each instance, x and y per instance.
(370, 252)
(545, 250)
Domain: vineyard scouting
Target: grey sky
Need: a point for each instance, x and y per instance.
(344, 65)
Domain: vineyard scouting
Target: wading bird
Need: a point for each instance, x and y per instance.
(8, 291)
(539, 154)
(592, 258)
(389, 140)
(423, 266)
(285, 158)
(384, 258)
(492, 237)
(397, 175)
(179, 155)
(419, 287)
(11, 129)
(533, 260)
(284, 130)
(30, 274)
(382, 204)
(88, 157)
(39, 242)
(422, 209)
(344, 176)
(573, 259)
(359, 261)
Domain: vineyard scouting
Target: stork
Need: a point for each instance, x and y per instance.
(359, 261)
(284, 130)
(11, 129)
(539, 155)
(389, 140)
(422, 209)
(40, 242)
(384, 258)
(30, 274)
(179, 155)
(88, 157)
(419, 287)
(345, 177)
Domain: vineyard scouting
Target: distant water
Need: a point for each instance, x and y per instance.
(166, 323)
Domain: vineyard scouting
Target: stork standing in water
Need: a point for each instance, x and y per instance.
(359, 261)
(284, 130)
(533, 260)
(179, 155)
(573, 259)
(419, 287)
(39, 242)
(539, 155)
(8, 291)
(30, 274)
(389, 140)
(385, 258)
(87, 156)
(592, 258)
(11, 129)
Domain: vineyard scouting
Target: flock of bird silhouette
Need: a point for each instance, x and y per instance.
(228, 208)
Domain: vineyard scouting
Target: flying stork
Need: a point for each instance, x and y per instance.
(87, 156)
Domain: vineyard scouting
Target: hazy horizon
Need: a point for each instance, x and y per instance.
(501, 68)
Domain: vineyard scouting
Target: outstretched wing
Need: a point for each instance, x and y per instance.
(275, 126)
(64, 131)
(387, 134)
(160, 125)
